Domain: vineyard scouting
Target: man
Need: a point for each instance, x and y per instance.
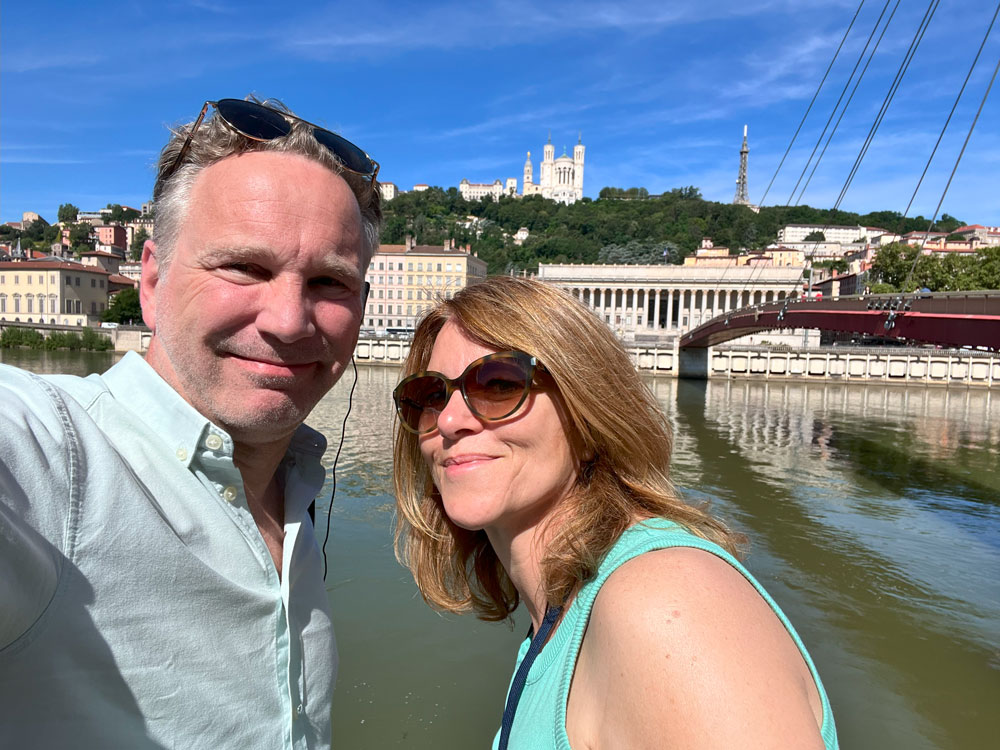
(160, 583)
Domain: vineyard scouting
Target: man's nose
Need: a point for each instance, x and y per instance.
(286, 312)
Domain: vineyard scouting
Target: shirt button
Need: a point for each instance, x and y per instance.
(182, 454)
(214, 442)
(298, 710)
(229, 494)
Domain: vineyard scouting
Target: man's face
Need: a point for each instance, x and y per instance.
(258, 312)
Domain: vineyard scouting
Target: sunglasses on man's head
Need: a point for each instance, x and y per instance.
(262, 123)
(494, 387)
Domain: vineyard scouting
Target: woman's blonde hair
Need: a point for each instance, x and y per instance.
(618, 426)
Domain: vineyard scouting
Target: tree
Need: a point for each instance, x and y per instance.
(79, 237)
(815, 237)
(68, 213)
(124, 308)
(122, 215)
(135, 250)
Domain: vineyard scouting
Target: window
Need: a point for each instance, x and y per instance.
(381, 267)
(93, 283)
(380, 312)
(76, 281)
(79, 307)
(399, 266)
(439, 267)
(409, 294)
(399, 311)
(409, 266)
(409, 279)
(53, 305)
(447, 266)
(69, 306)
(101, 284)
(17, 279)
(93, 308)
(52, 279)
(17, 303)
(399, 279)
(420, 267)
(380, 294)
(41, 279)
(31, 301)
(69, 281)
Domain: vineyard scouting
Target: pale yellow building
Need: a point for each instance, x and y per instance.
(407, 279)
(53, 291)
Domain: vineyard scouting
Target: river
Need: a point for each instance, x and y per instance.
(874, 519)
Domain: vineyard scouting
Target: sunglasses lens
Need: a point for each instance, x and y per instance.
(420, 400)
(350, 155)
(253, 120)
(496, 387)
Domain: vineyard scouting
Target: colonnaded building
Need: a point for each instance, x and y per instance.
(664, 301)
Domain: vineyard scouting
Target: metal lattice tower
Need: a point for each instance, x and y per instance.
(742, 192)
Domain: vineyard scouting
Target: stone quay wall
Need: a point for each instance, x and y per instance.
(735, 362)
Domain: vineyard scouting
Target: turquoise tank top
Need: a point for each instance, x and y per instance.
(540, 722)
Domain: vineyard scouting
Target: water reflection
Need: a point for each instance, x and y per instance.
(874, 518)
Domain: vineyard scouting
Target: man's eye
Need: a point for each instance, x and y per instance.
(328, 282)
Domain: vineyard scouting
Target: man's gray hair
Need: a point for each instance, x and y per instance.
(214, 141)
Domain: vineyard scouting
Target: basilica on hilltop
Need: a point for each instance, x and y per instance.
(559, 179)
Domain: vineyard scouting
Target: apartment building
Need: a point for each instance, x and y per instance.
(53, 291)
(407, 279)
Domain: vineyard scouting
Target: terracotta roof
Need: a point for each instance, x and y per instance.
(100, 254)
(51, 265)
(117, 278)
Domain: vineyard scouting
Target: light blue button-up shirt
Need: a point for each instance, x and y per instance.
(139, 605)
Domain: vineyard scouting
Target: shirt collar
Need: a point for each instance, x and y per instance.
(136, 385)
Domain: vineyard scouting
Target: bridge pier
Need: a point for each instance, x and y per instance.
(692, 362)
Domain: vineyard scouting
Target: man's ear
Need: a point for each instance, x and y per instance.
(147, 286)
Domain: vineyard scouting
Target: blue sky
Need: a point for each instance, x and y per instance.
(439, 91)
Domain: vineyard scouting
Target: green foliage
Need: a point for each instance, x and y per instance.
(80, 237)
(815, 237)
(840, 266)
(882, 289)
(124, 308)
(68, 213)
(608, 193)
(578, 233)
(641, 253)
(122, 215)
(135, 250)
(892, 266)
(29, 337)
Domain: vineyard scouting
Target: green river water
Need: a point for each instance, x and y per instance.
(874, 519)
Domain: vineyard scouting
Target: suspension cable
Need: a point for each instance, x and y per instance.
(818, 88)
(843, 91)
(962, 151)
(849, 99)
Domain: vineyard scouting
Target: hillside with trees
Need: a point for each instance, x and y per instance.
(621, 226)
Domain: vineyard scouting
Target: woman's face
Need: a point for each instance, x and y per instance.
(504, 477)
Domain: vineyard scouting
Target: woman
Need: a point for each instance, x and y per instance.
(531, 464)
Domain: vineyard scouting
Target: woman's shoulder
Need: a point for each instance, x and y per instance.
(681, 639)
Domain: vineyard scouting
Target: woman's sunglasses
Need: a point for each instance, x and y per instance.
(261, 123)
(494, 387)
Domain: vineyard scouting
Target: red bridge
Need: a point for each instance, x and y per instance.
(953, 319)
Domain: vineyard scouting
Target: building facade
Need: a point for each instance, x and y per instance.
(53, 291)
(668, 300)
(408, 279)
(832, 233)
(559, 179)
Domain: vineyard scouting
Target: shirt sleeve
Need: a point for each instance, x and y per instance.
(36, 493)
